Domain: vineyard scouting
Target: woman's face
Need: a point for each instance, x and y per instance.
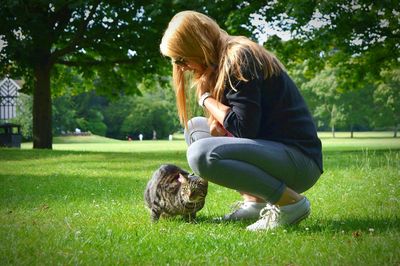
(189, 65)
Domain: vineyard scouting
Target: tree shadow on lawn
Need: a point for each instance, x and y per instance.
(7, 154)
(88, 160)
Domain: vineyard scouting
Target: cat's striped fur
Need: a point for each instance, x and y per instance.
(172, 191)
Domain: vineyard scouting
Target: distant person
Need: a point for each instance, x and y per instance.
(154, 135)
(274, 153)
(170, 137)
(140, 137)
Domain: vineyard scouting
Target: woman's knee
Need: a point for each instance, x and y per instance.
(313, 175)
(197, 128)
(198, 157)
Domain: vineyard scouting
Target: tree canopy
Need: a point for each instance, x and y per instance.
(363, 35)
(109, 46)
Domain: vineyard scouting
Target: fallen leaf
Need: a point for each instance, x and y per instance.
(356, 234)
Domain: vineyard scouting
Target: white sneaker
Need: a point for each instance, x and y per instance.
(272, 216)
(244, 211)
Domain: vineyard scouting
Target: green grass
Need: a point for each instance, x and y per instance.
(102, 144)
(82, 204)
(363, 140)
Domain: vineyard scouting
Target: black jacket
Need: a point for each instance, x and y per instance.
(272, 109)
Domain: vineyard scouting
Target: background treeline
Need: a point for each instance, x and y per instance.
(371, 104)
(119, 118)
(374, 105)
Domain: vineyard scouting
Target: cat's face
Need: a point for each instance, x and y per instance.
(169, 175)
(193, 188)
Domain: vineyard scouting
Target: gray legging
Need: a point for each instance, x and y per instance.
(258, 167)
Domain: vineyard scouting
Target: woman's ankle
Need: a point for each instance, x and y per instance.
(288, 197)
(251, 198)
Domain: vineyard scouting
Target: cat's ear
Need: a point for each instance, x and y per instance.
(182, 178)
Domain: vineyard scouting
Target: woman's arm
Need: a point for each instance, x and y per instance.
(216, 109)
(216, 128)
(242, 117)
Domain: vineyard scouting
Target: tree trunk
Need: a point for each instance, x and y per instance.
(351, 131)
(333, 131)
(42, 113)
(395, 131)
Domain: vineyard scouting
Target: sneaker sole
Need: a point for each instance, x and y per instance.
(222, 219)
(304, 216)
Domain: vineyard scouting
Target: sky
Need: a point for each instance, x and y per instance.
(266, 29)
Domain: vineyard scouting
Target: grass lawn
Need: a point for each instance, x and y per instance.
(82, 204)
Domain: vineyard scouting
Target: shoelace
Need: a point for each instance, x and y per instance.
(270, 213)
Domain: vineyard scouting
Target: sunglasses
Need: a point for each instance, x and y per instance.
(180, 62)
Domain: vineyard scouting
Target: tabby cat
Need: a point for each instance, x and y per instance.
(172, 191)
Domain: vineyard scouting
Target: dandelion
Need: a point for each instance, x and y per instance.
(77, 234)
(371, 230)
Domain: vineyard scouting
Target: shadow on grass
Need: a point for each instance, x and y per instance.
(8, 154)
(355, 226)
(89, 160)
(206, 220)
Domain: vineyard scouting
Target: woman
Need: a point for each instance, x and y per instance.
(259, 138)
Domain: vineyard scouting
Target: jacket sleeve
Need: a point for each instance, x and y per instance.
(243, 119)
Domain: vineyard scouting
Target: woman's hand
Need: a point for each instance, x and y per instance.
(216, 129)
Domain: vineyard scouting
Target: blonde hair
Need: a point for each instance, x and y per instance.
(197, 37)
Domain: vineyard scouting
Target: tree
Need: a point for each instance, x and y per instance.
(149, 114)
(115, 114)
(110, 45)
(64, 114)
(387, 96)
(358, 106)
(89, 108)
(42, 34)
(327, 103)
(361, 35)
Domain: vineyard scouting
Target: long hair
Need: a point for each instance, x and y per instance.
(197, 37)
